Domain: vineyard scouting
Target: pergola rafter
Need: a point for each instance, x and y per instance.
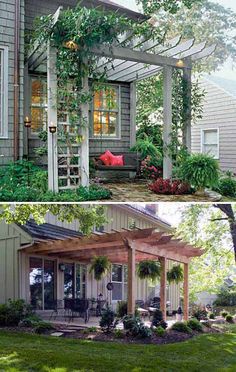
(124, 247)
(129, 59)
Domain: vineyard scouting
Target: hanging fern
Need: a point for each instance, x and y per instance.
(175, 274)
(149, 270)
(100, 265)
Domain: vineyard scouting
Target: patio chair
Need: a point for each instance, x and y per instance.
(58, 307)
(79, 308)
(100, 306)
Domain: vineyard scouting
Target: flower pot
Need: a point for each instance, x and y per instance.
(200, 192)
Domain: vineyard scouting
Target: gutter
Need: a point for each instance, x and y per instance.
(16, 81)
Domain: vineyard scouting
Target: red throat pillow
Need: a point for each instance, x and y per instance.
(106, 157)
(117, 160)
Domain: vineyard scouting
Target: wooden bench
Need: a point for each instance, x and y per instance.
(131, 163)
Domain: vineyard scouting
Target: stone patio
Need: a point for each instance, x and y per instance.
(137, 191)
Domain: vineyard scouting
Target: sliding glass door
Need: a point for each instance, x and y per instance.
(74, 281)
(42, 283)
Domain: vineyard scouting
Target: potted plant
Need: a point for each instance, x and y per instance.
(100, 265)
(149, 269)
(175, 274)
(200, 171)
(179, 314)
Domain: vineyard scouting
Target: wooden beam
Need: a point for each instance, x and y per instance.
(128, 54)
(186, 291)
(84, 148)
(167, 125)
(187, 107)
(163, 282)
(131, 276)
(133, 98)
(52, 118)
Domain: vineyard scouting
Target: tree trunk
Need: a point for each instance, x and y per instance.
(228, 211)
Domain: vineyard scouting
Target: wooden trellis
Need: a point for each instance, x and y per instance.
(128, 60)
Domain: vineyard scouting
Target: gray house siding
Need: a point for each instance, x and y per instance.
(219, 112)
(97, 146)
(7, 16)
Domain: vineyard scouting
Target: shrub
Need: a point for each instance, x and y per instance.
(227, 186)
(199, 313)
(149, 269)
(167, 187)
(107, 321)
(13, 312)
(211, 316)
(224, 314)
(149, 169)
(43, 327)
(157, 320)
(226, 298)
(194, 324)
(181, 327)
(229, 318)
(146, 148)
(200, 170)
(118, 333)
(160, 331)
(30, 321)
(121, 310)
(136, 327)
(92, 329)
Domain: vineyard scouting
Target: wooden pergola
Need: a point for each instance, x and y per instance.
(125, 247)
(129, 60)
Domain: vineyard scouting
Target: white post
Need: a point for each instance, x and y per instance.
(187, 114)
(84, 149)
(133, 93)
(167, 118)
(52, 118)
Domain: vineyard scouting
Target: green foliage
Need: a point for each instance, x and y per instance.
(226, 297)
(157, 320)
(149, 269)
(146, 148)
(175, 274)
(171, 6)
(108, 321)
(30, 321)
(160, 331)
(199, 313)
(136, 327)
(118, 333)
(227, 186)
(122, 307)
(200, 170)
(43, 327)
(224, 314)
(100, 266)
(13, 312)
(195, 325)
(87, 217)
(92, 329)
(229, 319)
(181, 327)
(211, 316)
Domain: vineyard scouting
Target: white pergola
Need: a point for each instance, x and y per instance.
(129, 60)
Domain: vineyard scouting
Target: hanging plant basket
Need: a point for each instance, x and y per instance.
(100, 265)
(149, 270)
(175, 274)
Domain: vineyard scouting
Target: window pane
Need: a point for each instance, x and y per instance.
(105, 123)
(211, 150)
(116, 273)
(125, 273)
(39, 119)
(48, 284)
(210, 137)
(38, 104)
(36, 283)
(117, 291)
(69, 281)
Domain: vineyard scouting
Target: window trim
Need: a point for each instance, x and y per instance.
(122, 282)
(4, 134)
(203, 130)
(102, 138)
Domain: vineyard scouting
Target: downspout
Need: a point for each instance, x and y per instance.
(16, 81)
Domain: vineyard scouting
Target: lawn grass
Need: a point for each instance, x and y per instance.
(25, 352)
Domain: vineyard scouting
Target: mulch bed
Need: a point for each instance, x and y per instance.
(170, 336)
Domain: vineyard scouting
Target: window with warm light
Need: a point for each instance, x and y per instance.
(38, 104)
(106, 112)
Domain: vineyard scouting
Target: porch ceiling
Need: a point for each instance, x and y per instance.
(148, 244)
(134, 58)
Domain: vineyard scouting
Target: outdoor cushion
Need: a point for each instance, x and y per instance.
(117, 160)
(106, 157)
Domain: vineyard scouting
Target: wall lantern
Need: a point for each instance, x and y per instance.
(180, 63)
(27, 122)
(62, 267)
(52, 128)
